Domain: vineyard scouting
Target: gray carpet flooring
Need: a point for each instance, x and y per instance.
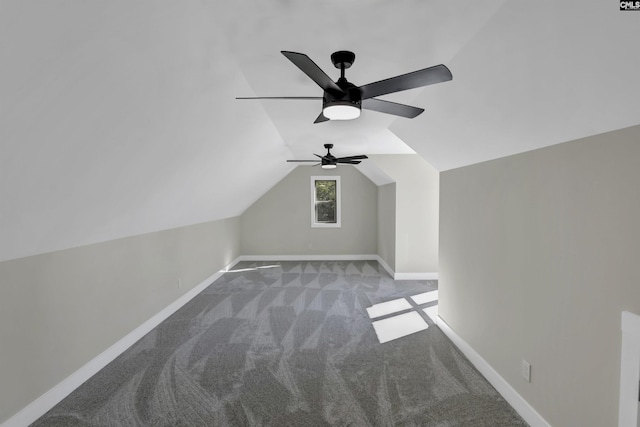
(288, 344)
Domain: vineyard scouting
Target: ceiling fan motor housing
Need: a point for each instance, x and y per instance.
(329, 159)
(347, 103)
(349, 99)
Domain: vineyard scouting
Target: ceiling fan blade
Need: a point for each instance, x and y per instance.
(310, 68)
(394, 108)
(362, 156)
(301, 160)
(428, 76)
(279, 97)
(321, 118)
(323, 158)
(348, 162)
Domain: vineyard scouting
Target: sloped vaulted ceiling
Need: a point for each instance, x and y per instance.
(539, 73)
(118, 118)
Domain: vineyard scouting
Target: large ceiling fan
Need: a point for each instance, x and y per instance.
(329, 161)
(342, 100)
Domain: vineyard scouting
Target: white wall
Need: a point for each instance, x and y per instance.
(538, 257)
(112, 122)
(279, 223)
(61, 309)
(417, 206)
(387, 224)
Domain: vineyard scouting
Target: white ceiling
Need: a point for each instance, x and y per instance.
(119, 118)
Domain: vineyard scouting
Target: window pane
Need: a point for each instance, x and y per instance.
(326, 201)
(325, 190)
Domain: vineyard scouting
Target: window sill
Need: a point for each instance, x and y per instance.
(325, 225)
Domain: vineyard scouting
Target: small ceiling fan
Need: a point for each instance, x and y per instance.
(329, 161)
(342, 100)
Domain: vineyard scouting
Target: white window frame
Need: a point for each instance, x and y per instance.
(338, 222)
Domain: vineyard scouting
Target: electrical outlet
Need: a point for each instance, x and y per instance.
(526, 370)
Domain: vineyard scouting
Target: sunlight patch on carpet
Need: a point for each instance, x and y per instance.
(432, 312)
(399, 326)
(388, 307)
(425, 297)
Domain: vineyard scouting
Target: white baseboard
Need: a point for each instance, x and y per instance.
(395, 275)
(48, 400)
(384, 265)
(308, 258)
(406, 276)
(521, 406)
(416, 276)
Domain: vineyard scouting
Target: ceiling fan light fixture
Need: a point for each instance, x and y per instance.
(329, 166)
(341, 110)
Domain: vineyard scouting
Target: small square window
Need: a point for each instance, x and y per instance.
(325, 201)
